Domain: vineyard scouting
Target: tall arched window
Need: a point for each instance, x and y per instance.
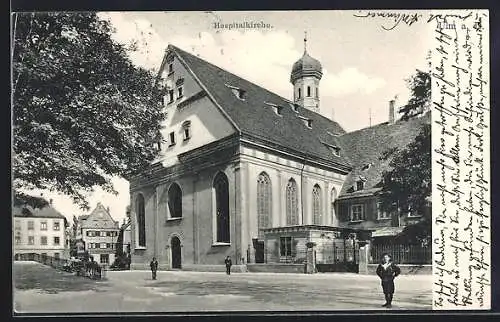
(316, 203)
(308, 91)
(300, 93)
(334, 196)
(264, 202)
(221, 189)
(141, 220)
(175, 201)
(292, 209)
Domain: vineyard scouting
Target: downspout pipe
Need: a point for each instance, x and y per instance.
(302, 188)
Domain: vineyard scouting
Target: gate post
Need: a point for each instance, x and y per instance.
(364, 258)
(310, 258)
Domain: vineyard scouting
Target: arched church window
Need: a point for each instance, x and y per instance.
(316, 194)
(292, 209)
(221, 189)
(308, 91)
(141, 220)
(300, 93)
(175, 201)
(264, 202)
(317, 92)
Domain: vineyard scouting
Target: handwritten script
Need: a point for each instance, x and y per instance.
(461, 161)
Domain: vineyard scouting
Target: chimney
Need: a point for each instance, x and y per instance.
(392, 111)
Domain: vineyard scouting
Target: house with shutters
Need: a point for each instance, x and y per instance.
(237, 159)
(39, 231)
(97, 234)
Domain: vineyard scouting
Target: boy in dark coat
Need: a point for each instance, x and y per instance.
(228, 263)
(387, 271)
(154, 267)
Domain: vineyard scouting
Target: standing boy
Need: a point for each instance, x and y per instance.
(387, 271)
(154, 267)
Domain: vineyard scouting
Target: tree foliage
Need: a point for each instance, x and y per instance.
(406, 187)
(420, 88)
(82, 112)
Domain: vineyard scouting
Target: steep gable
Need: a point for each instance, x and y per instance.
(100, 218)
(365, 147)
(265, 117)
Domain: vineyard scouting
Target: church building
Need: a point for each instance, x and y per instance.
(235, 161)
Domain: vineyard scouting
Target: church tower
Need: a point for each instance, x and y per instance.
(305, 77)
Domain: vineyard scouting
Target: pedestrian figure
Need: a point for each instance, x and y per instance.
(387, 271)
(154, 267)
(228, 263)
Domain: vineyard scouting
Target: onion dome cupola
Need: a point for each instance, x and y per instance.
(305, 77)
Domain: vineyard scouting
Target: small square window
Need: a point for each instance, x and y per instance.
(57, 240)
(382, 214)
(57, 225)
(43, 240)
(43, 225)
(357, 213)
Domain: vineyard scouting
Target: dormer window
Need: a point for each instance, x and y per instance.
(170, 68)
(294, 107)
(366, 166)
(180, 92)
(186, 129)
(238, 92)
(307, 121)
(277, 109)
(335, 150)
(360, 185)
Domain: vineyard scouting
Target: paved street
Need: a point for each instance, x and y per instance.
(40, 289)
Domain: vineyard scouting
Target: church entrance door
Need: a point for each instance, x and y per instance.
(175, 246)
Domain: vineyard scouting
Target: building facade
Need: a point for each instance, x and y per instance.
(235, 160)
(39, 231)
(97, 234)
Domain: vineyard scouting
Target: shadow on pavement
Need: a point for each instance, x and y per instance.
(29, 276)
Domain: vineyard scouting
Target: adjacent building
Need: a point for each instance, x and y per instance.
(237, 161)
(39, 231)
(97, 234)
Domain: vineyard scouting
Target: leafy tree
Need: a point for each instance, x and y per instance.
(82, 112)
(420, 98)
(406, 187)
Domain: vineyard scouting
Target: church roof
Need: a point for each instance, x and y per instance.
(365, 147)
(257, 120)
(28, 211)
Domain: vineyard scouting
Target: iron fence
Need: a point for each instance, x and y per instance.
(82, 268)
(402, 253)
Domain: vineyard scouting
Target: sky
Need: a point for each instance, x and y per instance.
(364, 65)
